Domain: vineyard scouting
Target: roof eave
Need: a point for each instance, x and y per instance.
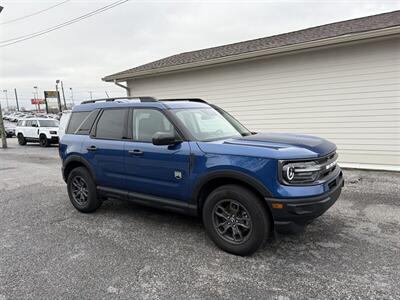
(248, 55)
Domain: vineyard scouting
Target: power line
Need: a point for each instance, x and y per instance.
(34, 14)
(61, 25)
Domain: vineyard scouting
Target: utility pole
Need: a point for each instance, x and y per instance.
(91, 98)
(106, 94)
(6, 93)
(58, 96)
(16, 99)
(2, 130)
(62, 89)
(72, 96)
(37, 94)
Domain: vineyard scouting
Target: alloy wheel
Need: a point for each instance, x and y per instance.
(79, 190)
(232, 221)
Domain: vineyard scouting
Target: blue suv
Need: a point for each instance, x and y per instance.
(192, 157)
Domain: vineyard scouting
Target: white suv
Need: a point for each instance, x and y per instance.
(42, 130)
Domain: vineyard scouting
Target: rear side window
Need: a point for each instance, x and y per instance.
(111, 124)
(76, 120)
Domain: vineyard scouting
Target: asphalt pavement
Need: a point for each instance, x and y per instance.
(48, 250)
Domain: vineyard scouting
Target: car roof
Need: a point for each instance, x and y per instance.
(136, 102)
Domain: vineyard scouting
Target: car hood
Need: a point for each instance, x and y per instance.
(272, 145)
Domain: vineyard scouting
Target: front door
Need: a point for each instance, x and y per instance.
(158, 170)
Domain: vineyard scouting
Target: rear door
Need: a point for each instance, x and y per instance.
(29, 130)
(104, 147)
(158, 170)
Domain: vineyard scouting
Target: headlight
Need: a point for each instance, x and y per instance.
(307, 172)
(53, 132)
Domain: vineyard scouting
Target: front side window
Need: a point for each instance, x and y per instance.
(147, 122)
(111, 124)
(48, 123)
(28, 123)
(207, 124)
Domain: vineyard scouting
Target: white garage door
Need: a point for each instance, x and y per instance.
(350, 95)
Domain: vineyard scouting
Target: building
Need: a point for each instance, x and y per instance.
(340, 81)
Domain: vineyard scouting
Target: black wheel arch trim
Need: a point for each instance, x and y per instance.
(229, 174)
(79, 159)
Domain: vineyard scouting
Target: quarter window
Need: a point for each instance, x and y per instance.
(111, 124)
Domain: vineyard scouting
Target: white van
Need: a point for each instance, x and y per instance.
(42, 130)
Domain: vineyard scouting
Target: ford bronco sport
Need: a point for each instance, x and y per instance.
(192, 157)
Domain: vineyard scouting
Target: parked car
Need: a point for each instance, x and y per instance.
(66, 114)
(10, 130)
(42, 130)
(193, 157)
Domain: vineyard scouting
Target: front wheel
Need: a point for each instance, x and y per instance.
(43, 141)
(82, 190)
(236, 219)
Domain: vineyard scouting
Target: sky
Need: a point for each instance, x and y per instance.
(138, 32)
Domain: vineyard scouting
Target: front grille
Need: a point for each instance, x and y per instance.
(326, 161)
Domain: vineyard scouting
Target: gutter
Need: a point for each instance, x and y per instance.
(248, 55)
(128, 90)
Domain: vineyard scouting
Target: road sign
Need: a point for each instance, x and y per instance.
(51, 94)
(37, 101)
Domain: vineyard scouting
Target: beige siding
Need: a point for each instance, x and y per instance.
(348, 94)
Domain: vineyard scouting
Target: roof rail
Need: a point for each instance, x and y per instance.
(142, 99)
(185, 99)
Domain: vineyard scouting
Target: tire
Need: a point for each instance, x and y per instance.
(43, 141)
(85, 202)
(230, 209)
(21, 139)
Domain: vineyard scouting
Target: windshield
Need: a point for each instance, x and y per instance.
(207, 124)
(48, 123)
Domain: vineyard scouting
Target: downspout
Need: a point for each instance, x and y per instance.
(128, 90)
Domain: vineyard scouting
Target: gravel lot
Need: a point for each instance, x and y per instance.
(49, 250)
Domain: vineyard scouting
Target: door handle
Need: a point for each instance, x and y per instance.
(91, 148)
(135, 152)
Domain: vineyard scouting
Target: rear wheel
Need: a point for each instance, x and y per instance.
(43, 141)
(236, 219)
(21, 139)
(82, 190)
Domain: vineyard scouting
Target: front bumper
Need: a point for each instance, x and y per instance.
(54, 139)
(290, 215)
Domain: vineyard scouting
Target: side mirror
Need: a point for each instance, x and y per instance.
(165, 138)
